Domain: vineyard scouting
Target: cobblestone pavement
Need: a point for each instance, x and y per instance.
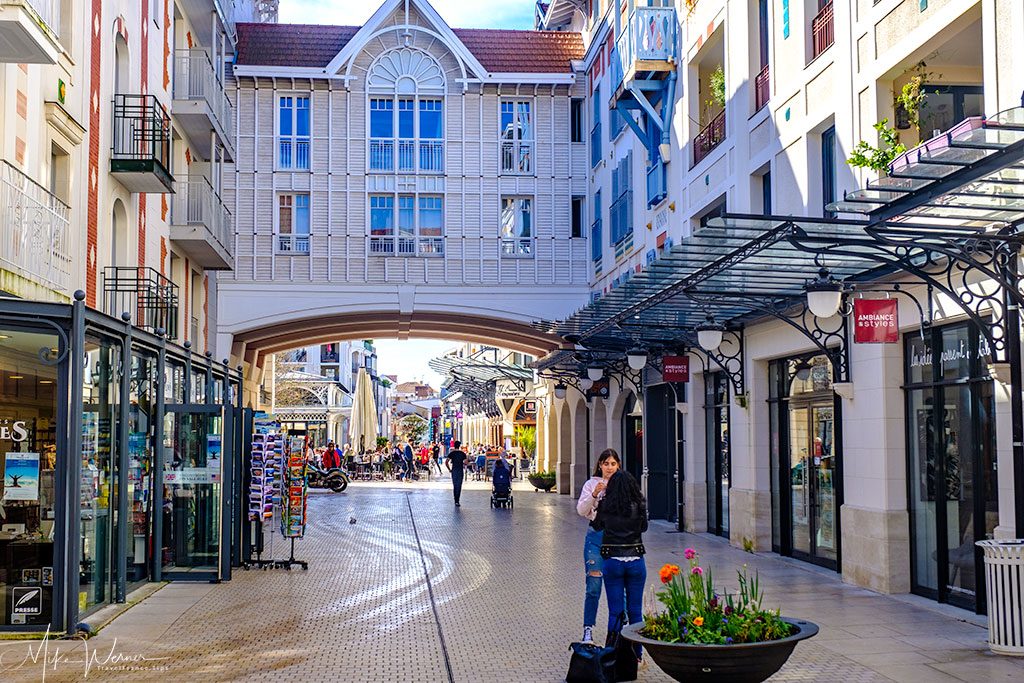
(503, 600)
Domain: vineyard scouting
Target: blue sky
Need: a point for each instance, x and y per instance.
(458, 13)
(408, 359)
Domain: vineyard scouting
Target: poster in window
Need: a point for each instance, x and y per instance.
(21, 476)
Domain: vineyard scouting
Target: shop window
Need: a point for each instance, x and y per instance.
(719, 467)
(142, 388)
(293, 133)
(517, 137)
(517, 226)
(293, 223)
(29, 390)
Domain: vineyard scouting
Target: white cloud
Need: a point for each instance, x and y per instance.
(457, 13)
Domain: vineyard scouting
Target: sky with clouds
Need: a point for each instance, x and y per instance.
(457, 13)
(408, 359)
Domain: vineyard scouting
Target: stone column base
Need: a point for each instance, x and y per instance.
(750, 518)
(876, 548)
(695, 507)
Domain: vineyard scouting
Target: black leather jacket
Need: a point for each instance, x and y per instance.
(622, 534)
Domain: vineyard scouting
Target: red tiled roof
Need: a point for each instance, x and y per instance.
(499, 51)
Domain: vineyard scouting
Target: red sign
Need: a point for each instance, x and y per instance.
(876, 321)
(676, 368)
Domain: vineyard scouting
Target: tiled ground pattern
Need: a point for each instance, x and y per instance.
(507, 587)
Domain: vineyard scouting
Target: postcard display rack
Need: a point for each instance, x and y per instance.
(277, 496)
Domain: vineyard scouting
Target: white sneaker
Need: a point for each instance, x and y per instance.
(588, 635)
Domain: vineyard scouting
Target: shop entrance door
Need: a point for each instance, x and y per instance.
(812, 467)
(192, 491)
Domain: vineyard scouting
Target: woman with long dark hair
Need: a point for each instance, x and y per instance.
(608, 463)
(622, 516)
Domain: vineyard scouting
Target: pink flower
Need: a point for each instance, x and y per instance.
(698, 571)
(690, 553)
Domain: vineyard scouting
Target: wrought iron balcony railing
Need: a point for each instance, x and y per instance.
(762, 88)
(141, 144)
(423, 156)
(710, 137)
(196, 79)
(149, 297)
(34, 232)
(823, 31)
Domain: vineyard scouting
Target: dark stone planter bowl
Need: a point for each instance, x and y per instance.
(541, 483)
(743, 663)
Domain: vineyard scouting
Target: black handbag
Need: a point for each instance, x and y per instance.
(591, 664)
(625, 657)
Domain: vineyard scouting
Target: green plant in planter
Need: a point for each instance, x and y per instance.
(864, 155)
(912, 95)
(696, 612)
(716, 87)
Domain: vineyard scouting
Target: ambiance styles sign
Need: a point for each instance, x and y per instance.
(876, 321)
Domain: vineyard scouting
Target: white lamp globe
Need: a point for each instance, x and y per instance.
(595, 373)
(637, 358)
(824, 295)
(586, 383)
(709, 334)
(560, 390)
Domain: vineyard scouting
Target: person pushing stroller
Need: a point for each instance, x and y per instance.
(501, 484)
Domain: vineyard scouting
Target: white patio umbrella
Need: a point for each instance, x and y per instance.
(362, 426)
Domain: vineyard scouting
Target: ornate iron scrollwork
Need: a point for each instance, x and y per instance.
(46, 354)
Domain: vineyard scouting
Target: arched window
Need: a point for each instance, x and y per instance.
(406, 136)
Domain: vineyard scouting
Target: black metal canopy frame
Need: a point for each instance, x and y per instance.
(947, 216)
(472, 380)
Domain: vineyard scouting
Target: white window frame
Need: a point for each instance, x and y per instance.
(516, 246)
(395, 141)
(292, 244)
(395, 244)
(294, 138)
(516, 145)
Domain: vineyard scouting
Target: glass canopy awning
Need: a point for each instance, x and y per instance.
(471, 380)
(961, 192)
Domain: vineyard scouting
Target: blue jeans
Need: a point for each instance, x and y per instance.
(457, 482)
(592, 562)
(624, 587)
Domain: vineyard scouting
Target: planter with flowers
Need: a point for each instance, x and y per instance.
(707, 635)
(542, 481)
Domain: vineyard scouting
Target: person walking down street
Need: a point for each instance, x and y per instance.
(436, 454)
(481, 464)
(622, 516)
(331, 457)
(456, 464)
(593, 565)
(410, 464)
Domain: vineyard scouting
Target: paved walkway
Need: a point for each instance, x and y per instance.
(503, 600)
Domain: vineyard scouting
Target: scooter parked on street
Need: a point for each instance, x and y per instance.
(335, 478)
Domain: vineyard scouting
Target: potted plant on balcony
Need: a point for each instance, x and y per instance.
(542, 481)
(704, 634)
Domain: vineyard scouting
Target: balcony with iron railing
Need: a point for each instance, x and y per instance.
(201, 224)
(141, 153)
(517, 247)
(35, 239)
(647, 44)
(413, 156)
(30, 31)
(406, 246)
(150, 298)
(762, 88)
(200, 103)
(708, 138)
(823, 31)
(293, 243)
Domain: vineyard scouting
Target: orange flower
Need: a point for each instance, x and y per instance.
(698, 621)
(667, 572)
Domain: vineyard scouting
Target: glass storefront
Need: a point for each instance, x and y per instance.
(719, 469)
(806, 459)
(29, 386)
(632, 439)
(951, 475)
(98, 484)
(142, 389)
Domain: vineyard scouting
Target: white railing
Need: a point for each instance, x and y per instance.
(293, 244)
(516, 156)
(431, 246)
(426, 156)
(196, 79)
(195, 202)
(35, 237)
(382, 245)
(520, 247)
(47, 10)
(406, 246)
(382, 155)
(294, 154)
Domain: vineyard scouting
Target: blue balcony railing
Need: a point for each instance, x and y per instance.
(649, 36)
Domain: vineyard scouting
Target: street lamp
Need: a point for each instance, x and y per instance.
(586, 383)
(595, 373)
(824, 295)
(637, 358)
(560, 390)
(709, 334)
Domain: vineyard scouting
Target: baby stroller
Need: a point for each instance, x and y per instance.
(501, 486)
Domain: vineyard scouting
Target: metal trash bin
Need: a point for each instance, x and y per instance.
(1004, 583)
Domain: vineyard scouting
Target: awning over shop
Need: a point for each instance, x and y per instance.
(471, 380)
